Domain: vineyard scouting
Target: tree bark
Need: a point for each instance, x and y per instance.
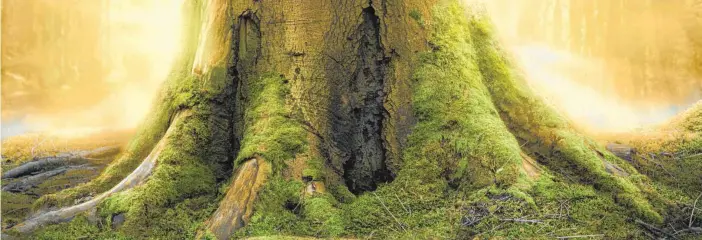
(278, 95)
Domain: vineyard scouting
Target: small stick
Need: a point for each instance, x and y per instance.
(694, 206)
(581, 236)
(386, 209)
(653, 228)
(674, 230)
(403, 205)
(691, 156)
(521, 220)
(695, 230)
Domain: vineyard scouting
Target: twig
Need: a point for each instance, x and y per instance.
(695, 230)
(691, 156)
(388, 210)
(674, 230)
(660, 166)
(581, 236)
(558, 230)
(653, 228)
(403, 205)
(694, 206)
(521, 220)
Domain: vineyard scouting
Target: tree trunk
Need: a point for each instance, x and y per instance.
(404, 118)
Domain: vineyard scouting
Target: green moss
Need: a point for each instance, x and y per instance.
(138, 148)
(15, 207)
(558, 209)
(462, 161)
(458, 125)
(534, 121)
(324, 218)
(460, 177)
(674, 159)
(314, 169)
(417, 204)
(180, 192)
(78, 228)
(417, 16)
(270, 131)
(277, 209)
(342, 193)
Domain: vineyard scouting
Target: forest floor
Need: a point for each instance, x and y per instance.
(85, 158)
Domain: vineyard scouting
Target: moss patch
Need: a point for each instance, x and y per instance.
(270, 132)
(458, 125)
(539, 128)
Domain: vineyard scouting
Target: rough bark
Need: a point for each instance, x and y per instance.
(344, 94)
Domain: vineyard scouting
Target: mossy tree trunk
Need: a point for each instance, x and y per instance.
(323, 118)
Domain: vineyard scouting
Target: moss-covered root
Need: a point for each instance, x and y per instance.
(458, 125)
(177, 94)
(472, 112)
(136, 178)
(236, 208)
(546, 134)
(139, 147)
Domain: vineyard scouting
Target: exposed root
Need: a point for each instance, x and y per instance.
(137, 177)
(58, 160)
(32, 181)
(237, 206)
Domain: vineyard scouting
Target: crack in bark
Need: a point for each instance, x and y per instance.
(359, 134)
(237, 206)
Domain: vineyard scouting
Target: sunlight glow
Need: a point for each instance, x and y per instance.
(139, 41)
(553, 74)
(629, 70)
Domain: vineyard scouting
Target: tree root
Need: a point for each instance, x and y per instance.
(137, 177)
(32, 181)
(42, 164)
(237, 206)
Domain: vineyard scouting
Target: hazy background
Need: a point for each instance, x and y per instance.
(611, 65)
(77, 66)
(72, 66)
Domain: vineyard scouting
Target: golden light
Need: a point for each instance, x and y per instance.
(131, 45)
(556, 76)
(609, 67)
